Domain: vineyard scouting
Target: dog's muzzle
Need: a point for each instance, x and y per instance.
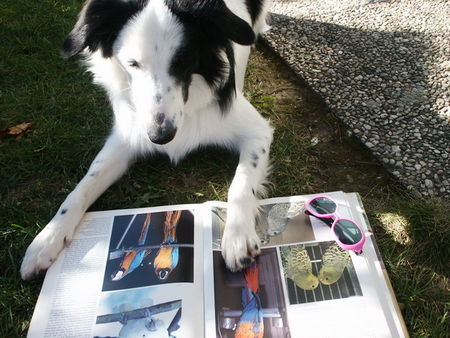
(164, 130)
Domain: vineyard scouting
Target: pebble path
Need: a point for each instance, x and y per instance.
(383, 68)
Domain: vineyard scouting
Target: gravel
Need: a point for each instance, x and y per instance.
(383, 67)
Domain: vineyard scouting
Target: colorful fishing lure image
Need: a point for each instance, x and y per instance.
(250, 303)
(150, 249)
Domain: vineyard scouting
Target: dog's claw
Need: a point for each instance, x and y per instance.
(245, 261)
(240, 246)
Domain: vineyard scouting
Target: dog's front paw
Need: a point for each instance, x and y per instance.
(240, 245)
(44, 249)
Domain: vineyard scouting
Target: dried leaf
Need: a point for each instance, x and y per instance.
(17, 131)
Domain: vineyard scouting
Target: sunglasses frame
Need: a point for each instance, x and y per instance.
(357, 247)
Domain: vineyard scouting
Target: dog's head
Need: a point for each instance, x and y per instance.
(160, 45)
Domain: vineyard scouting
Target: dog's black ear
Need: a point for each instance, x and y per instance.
(216, 13)
(99, 24)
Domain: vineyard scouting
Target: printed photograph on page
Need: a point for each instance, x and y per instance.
(136, 313)
(250, 303)
(150, 249)
(277, 224)
(316, 272)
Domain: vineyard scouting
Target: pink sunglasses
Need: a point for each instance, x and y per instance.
(349, 235)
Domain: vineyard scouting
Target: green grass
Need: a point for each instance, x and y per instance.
(73, 117)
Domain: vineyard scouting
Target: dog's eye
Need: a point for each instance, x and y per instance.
(134, 64)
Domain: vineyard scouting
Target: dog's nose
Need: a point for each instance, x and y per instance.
(163, 138)
(163, 133)
(159, 118)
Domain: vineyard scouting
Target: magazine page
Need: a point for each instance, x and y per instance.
(302, 285)
(386, 295)
(127, 273)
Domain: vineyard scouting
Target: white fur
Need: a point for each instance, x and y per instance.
(131, 93)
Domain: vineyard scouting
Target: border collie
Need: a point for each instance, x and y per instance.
(174, 73)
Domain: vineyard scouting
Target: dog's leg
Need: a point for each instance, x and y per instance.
(240, 243)
(110, 163)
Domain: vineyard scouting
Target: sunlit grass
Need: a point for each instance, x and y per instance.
(396, 226)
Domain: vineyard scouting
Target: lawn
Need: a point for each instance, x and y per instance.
(72, 117)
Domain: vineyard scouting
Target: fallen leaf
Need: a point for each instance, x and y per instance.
(314, 141)
(17, 131)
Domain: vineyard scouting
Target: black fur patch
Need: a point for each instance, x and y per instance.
(63, 211)
(217, 16)
(99, 24)
(185, 89)
(254, 7)
(209, 27)
(255, 159)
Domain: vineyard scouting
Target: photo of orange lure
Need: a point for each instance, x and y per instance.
(251, 324)
(132, 259)
(167, 258)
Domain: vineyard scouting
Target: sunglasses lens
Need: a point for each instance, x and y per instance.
(323, 206)
(347, 232)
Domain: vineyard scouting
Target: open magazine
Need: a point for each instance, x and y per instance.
(158, 272)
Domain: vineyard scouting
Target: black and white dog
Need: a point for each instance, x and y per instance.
(174, 73)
